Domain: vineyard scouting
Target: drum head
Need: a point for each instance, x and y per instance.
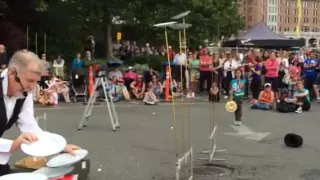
(54, 172)
(231, 106)
(47, 145)
(66, 159)
(24, 176)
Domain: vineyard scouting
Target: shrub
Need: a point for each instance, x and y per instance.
(154, 61)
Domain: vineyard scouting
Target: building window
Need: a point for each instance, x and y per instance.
(280, 28)
(250, 18)
(314, 5)
(280, 18)
(304, 4)
(305, 20)
(295, 20)
(305, 12)
(250, 9)
(250, 2)
(315, 12)
(295, 11)
(315, 21)
(288, 3)
(287, 11)
(287, 20)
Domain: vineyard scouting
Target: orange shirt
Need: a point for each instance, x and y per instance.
(266, 97)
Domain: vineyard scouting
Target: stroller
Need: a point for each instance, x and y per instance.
(79, 84)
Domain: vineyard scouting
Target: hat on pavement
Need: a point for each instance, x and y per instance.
(293, 140)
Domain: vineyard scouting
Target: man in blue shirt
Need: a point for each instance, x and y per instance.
(311, 74)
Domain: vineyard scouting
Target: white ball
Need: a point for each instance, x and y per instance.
(99, 169)
(171, 127)
(153, 113)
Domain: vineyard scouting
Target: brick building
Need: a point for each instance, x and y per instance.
(282, 17)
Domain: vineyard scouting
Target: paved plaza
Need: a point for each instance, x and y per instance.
(144, 148)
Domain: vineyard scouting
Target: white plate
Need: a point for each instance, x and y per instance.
(164, 24)
(66, 159)
(24, 176)
(54, 172)
(47, 145)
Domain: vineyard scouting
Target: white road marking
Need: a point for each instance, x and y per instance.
(247, 133)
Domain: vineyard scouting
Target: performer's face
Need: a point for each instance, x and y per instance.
(28, 78)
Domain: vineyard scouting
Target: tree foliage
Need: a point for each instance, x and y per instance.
(68, 22)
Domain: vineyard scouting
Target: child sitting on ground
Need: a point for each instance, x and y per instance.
(178, 92)
(214, 95)
(49, 96)
(150, 97)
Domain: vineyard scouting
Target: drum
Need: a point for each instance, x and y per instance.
(231, 106)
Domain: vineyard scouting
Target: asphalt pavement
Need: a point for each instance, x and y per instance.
(144, 148)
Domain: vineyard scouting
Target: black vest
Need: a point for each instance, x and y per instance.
(4, 123)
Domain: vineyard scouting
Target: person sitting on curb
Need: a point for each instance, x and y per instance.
(265, 99)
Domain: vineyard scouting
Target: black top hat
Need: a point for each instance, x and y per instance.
(293, 140)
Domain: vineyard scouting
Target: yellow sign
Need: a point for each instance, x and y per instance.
(119, 36)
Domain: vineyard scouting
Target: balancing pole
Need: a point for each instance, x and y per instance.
(27, 37)
(36, 42)
(45, 43)
(165, 25)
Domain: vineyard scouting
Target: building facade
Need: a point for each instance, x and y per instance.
(282, 17)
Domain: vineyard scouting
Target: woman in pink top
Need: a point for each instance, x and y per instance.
(295, 69)
(272, 71)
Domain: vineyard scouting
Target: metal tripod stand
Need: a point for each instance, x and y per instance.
(100, 81)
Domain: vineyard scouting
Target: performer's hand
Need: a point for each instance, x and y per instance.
(70, 149)
(25, 138)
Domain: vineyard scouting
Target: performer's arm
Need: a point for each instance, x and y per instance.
(27, 121)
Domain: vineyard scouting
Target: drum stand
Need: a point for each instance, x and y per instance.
(100, 80)
(213, 148)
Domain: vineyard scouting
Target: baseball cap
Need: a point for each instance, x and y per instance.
(267, 85)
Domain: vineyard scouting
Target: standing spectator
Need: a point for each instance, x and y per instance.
(310, 75)
(229, 68)
(206, 68)
(255, 85)
(46, 76)
(77, 62)
(272, 71)
(3, 58)
(194, 65)
(58, 66)
(284, 66)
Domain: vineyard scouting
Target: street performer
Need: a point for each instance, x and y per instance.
(16, 104)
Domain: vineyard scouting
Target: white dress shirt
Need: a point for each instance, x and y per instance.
(25, 123)
(230, 64)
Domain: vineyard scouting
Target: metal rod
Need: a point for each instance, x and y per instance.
(45, 43)
(172, 98)
(27, 37)
(36, 43)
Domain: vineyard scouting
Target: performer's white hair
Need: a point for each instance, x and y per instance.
(21, 59)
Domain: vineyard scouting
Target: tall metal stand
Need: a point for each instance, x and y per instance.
(100, 81)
